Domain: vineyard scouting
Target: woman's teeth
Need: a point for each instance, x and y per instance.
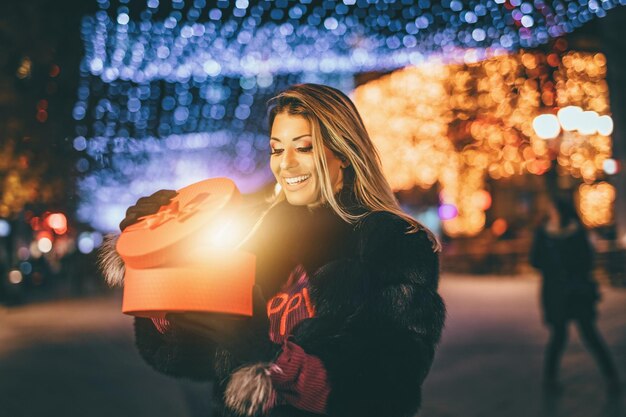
(297, 180)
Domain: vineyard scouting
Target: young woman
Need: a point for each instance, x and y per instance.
(352, 315)
(561, 250)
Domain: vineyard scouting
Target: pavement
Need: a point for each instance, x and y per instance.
(76, 357)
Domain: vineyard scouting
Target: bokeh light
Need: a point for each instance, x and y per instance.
(44, 245)
(453, 126)
(547, 126)
(174, 92)
(596, 203)
(15, 276)
(5, 228)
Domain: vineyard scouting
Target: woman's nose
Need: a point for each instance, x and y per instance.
(289, 159)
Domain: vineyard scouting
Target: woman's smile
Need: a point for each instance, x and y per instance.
(293, 160)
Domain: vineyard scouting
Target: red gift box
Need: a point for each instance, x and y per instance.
(177, 259)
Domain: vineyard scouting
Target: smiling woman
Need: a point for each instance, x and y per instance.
(293, 160)
(346, 310)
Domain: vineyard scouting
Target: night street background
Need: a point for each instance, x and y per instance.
(76, 358)
(483, 111)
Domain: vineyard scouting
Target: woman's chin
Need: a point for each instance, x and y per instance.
(300, 198)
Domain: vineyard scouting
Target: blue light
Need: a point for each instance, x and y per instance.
(123, 19)
(479, 35)
(5, 228)
(527, 21)
(196, 75)
(470, 17)
(80, 143)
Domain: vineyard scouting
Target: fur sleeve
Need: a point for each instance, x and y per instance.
(378, 320)
(176, 353)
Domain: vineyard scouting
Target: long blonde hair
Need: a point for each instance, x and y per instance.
(336, 124)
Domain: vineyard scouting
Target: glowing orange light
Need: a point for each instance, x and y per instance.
(482, 199)
(57, 222)
(499, 226)
(34, 223)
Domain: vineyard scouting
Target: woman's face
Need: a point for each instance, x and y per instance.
(292, 160)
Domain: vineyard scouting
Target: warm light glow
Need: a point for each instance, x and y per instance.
(482, 199)
(227, 234)
(58, 223)
(546, 126)
(499, 226)
(605, 125)
(588, 123)
(610, 166)
(569, 117)
(44, 245)
(596, 203)
(453, 126)
(15, 277)
(224, 233)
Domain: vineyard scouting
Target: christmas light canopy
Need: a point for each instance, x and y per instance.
(175, 91)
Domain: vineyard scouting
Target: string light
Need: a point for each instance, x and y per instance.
(188, 80)
(596, 203)
(453, 125)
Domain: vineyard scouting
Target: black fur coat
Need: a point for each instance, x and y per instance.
(378, 316)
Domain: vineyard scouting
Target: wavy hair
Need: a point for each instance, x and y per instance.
(336, 123)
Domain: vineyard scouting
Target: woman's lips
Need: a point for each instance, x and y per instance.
(297, 182)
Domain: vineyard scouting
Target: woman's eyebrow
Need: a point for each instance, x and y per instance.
(294, 139)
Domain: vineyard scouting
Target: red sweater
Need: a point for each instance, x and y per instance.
(299, 379)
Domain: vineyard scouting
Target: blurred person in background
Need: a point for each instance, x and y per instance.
(562, 252)
(352, 316)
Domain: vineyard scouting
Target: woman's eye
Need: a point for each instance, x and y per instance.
(276, 151)
(305, 149)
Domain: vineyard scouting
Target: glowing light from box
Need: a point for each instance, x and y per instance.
(227, 234)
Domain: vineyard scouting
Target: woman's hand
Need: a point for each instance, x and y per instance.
(146, 206)
(247, 338)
